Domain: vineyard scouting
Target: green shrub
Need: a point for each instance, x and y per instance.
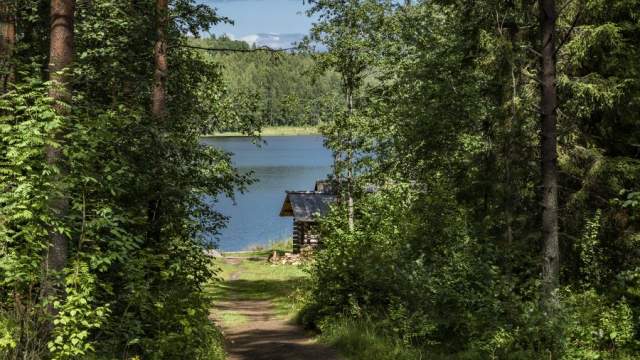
(596, 329)
(413, 266)
(7, 334)
(358, 270)
(359, 340)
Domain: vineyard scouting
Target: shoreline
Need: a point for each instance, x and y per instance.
(273, 131)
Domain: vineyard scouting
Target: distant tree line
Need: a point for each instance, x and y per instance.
(274, 88)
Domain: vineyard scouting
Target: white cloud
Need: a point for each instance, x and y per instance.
(250, 39)
(272, 40)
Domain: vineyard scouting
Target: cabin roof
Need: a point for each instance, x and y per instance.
(306, 206)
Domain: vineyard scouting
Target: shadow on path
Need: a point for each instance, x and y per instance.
(274, 340)
(264, 334)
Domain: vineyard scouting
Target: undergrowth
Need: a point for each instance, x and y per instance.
(359, 340)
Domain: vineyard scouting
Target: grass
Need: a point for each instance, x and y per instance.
(233, 318)
(282, 246)
(251, 278)
(263, 251)
(276, 131)
(359, 340)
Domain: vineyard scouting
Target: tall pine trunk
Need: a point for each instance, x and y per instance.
(60, 59)
(549, 152)
(159, 105)
(7, 44)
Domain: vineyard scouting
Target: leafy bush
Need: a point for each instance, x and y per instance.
(77, 315)
(7, 334)
(412, 271)
(595, 329)
(356, 270)
(123, 293)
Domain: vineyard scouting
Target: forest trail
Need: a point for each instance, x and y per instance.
(254, 310)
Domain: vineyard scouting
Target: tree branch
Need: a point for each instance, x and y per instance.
(534, 52)
(568, 34)
(564, 7)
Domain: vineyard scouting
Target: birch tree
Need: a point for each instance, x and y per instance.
(344, 31)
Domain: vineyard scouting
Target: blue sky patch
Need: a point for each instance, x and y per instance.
(273, 23)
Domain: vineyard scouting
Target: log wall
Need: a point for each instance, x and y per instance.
(304, 235)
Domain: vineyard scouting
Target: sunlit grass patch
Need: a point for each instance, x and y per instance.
(232, 318)
(252, 278)
(283, 245)
(359, 340)
(262, 251)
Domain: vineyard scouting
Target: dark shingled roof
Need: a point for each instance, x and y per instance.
(306, 205)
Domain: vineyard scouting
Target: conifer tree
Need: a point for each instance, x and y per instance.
(7, 44)
(549, 151)
(60, 60)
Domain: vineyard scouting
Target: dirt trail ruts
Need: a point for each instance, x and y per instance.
(265, 336)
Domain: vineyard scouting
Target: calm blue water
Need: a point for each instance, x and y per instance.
(283, 163)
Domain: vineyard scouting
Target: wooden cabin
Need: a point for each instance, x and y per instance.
(306, 207)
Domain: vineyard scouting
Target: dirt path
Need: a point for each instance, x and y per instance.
(266, 337)
(264, 334)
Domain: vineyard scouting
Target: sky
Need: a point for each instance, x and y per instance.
(273, 23)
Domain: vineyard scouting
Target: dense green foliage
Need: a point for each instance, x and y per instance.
(439, 111)
(125, 294)
(274, 89)
(446, 255)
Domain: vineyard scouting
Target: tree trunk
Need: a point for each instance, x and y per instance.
(159, 95)
(509, 193)
(159, 106)
(7, 45)
(350, 207)
(510, 29)
(60, 59)
(549, 103)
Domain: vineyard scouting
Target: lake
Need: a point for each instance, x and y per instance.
(282, 163)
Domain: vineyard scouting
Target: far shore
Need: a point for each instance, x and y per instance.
(275, 131)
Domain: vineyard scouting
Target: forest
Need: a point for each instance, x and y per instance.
(102, 177)
(274, 88)
(501, 138)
